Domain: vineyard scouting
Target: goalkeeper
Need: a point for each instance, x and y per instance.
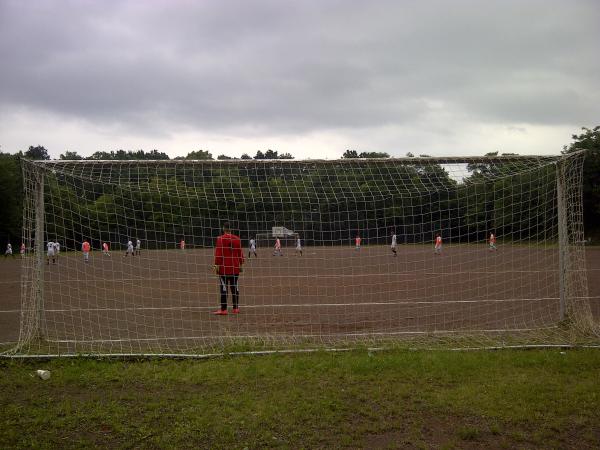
(229, 258)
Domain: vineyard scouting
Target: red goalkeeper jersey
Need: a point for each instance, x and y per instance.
(228, 254)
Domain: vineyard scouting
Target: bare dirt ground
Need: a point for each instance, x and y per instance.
(168, 296)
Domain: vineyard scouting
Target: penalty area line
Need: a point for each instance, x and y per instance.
(292, 305)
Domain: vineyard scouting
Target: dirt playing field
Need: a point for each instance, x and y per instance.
(165, 298)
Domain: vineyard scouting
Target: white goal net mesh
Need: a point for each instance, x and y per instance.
(525, 286)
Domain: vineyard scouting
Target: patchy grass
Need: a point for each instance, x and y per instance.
(392, 399)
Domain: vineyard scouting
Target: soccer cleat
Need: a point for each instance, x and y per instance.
(236, 310)
(220, 312)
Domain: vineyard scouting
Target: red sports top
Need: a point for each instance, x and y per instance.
(85, 246)
(228, 254)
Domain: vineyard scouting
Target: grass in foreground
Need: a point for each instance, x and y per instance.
(393, 399)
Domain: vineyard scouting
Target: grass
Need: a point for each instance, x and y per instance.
(391, 399)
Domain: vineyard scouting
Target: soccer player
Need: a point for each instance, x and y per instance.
(105, 251)
(8, 251)
(277, 250)
(50, 253)
(298, 246)
(22, 250)
(357, 242)
(56, 249)
(138, 247)
(393, 246)
(438, 244)
(182, 245)
(252, 248)
(493, 243)
(129, 250)
(228, 265)
(85, 248)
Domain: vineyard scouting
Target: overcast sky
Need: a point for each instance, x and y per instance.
(312, 78)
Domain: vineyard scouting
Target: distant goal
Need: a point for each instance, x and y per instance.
(287, 238)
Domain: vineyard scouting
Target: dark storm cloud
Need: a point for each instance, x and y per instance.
(290, 67)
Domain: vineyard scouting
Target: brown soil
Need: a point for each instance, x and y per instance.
(327, 293)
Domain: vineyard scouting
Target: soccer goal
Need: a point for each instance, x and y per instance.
(416, 252)
(287, 238)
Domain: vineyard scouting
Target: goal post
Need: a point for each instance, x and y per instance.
(427, 272)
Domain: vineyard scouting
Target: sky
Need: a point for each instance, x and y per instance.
(311, 78)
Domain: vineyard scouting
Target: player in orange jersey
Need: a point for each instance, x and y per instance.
(493, 243)
(277, 250)
(85, 248)
(438, 244)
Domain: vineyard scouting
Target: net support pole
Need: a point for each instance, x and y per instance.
(562, 240)
(38, 290)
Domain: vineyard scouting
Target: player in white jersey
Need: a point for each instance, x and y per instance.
(252, 248)
(394, 244)
(298, 246)
(129, 250)
(277, 250)
(50, 253)
(56, 249)
(8, 251)
(138, 246)
(438, 244)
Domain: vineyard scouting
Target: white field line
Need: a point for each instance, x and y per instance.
(186, 308)
(271, 277)
(266, 336)
(310, 276)
(293, 305)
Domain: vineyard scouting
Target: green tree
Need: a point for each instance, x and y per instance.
(38, 152)
(589, 140)
(374, 155)
(11, 199)
(71, 156)
(200, 155)
(224, 157)
(272, 154)
(154, 155)
(354, 154)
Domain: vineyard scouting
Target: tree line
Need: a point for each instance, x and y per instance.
(165, 208)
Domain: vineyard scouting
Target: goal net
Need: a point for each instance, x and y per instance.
(394, 252)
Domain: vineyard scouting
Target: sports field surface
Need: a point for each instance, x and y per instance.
(164, 299)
